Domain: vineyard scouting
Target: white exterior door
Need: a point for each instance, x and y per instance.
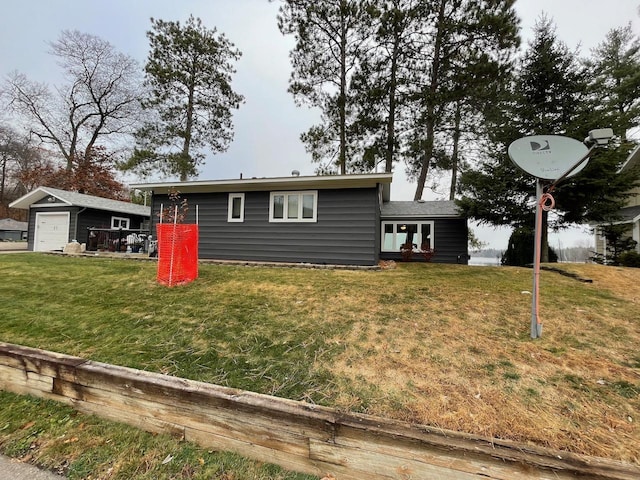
(51, 232)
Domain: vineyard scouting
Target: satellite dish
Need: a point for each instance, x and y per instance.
(547, 156)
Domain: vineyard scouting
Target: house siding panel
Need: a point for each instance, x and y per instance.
(345, 232)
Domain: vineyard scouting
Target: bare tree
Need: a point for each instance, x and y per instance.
(98, 99)
(17, 155)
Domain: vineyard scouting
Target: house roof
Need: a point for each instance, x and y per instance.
(632, 160)
(9, 224)
(366, 180)
(628, 214)
(63, 197)
(420, 209)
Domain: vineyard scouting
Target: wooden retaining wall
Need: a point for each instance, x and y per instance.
(295, 435)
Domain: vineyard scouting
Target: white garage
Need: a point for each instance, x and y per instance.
(51, 231)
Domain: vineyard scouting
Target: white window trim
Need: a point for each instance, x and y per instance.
(285, 215)
(395, 232)
(127, 222)
(230, 207)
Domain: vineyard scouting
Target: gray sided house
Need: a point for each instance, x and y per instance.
(57, 217)
(12, 230)
(629, 216)
(333, 219)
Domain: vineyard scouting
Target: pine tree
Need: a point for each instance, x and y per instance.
(331, 36)
(456, 29)
(550, 95)
(189, 100)
(615, 71)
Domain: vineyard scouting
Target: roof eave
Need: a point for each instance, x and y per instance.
(29, 200)
(34, 196)
(278, 183)
(400, 215)
(632, 159)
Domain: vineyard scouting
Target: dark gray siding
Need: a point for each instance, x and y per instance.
(346, 231)
(450, 241)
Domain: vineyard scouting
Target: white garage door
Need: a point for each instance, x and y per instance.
(52, 231)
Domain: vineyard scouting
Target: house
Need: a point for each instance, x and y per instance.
(57, 217)
(12, 230)
(426, 225)
(630, 214)
(332, 219)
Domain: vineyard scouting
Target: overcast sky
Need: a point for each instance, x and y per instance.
(268, 125)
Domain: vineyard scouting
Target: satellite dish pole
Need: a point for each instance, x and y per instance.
(550, 157)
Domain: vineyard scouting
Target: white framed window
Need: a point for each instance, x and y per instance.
(293, 206)
(236, 207)
(120, 222)
(418, 234)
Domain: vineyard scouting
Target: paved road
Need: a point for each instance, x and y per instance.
(13, 247)
(11, 469)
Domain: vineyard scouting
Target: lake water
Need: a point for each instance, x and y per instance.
(484, 261)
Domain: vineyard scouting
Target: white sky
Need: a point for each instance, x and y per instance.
(268, 125)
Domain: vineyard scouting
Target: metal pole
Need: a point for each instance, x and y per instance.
(536, 325)
(576, 165)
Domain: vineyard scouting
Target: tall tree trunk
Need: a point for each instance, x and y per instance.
(4, 176)
(391, 120)
(184, 155)
(342, 100)
(454, 154)
(430, 116)
(426, 159)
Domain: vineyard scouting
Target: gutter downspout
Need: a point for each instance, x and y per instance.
(75, 233)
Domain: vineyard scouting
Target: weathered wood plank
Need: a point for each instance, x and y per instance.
(251, 429)
(381, 435)
(296, 435)
(144, 422)
(363, 462)
(256, 451)
(170, 388)
(13, 378)
(36, 360)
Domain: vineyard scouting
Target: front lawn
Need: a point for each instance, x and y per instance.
(443, 345)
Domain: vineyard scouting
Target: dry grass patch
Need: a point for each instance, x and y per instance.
(460, 358)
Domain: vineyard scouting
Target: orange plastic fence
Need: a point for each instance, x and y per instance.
(177, 253)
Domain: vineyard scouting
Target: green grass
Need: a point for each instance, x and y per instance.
(80, 446)
(444, 345)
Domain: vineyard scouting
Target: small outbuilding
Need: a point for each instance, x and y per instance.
(56, 217)
(330, 219)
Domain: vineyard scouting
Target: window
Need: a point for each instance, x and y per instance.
(395, 234)
(293, 206)
(236, 207)
(119, 222)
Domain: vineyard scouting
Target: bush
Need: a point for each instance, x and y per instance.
(520, 250)
(630, 259)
